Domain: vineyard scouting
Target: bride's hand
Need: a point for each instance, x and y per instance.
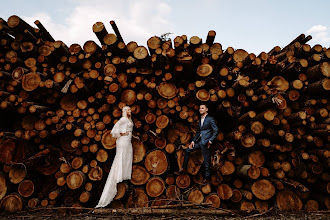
(136, 137)
(124, 134)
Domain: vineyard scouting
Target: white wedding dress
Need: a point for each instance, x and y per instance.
(121, 168)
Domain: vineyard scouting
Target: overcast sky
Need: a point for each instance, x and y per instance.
(253, 25)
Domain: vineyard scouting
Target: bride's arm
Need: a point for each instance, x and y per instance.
(136, 137)
(120, 128)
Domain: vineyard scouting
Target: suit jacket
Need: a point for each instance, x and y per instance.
(208, 132)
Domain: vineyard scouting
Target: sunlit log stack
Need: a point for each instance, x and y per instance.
(58, 103)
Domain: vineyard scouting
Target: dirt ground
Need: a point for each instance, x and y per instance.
(53, 214)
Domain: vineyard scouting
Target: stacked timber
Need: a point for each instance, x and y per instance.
(59, 102)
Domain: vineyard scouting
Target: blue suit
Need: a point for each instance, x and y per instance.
(207, 132)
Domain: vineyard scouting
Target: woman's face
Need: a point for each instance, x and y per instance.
(129, 112)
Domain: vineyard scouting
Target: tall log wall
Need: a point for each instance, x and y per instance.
(58, 103)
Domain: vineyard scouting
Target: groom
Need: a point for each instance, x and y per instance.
(206, 133)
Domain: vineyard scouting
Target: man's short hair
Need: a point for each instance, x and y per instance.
(203, 104)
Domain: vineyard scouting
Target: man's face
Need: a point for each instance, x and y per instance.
(203, 109)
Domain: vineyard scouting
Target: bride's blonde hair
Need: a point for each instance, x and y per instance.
(125, 108)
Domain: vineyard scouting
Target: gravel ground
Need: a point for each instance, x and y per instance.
(68, 215)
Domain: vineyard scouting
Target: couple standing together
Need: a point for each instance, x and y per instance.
(121, 168)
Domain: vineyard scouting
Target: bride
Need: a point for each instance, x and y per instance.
(121, 168)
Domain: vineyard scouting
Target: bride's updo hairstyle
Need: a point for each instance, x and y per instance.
(125, 108)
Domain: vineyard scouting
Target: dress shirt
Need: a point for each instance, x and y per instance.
(202, 120)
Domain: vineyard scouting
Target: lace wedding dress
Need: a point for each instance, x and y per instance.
(121, 168)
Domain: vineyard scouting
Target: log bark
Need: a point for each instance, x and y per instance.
(173, 192)
(116, 30)
(18, 24)
(138, 199)
(319, 71)
(3, 184)
(46, 35)
(100, 31)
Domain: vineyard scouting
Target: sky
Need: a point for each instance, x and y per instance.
(252, 25)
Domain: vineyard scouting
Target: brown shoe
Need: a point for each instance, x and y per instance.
(180, 172)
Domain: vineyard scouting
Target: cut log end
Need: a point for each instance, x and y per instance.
(167, 90)
(26, 188)
(17, 175)
(12, 203)
(128, 96)
(155, 186)
(108, 141)
(156, 162)
(31, 81)
(75, 179)
(288, 201)
(204, 70)
(140, 175)
(224, 191)
(263, 189)
(183, 181)
(140, 53)
(196, 196)
(139, 150)
(214, 200)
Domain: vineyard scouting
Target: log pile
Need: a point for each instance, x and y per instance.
(58, 103)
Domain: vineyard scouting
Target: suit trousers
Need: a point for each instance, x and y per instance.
(207, 158)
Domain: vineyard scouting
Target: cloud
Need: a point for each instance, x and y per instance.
(317, 28)
(53, 28)
(136, 20)
(320, 35)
